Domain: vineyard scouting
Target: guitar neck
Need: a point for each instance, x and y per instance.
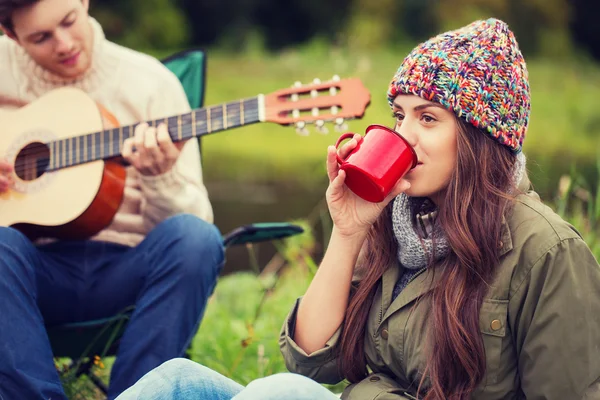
(109, 143)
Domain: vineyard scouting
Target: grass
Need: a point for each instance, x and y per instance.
(247, 347)
(578, 202)
(234, 343)
(239, 333)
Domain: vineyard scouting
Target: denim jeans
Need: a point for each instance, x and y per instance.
(182, 379)
(168, 277)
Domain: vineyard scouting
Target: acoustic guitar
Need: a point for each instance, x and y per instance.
(69, 177)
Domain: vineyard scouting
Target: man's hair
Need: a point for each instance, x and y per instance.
(8, 7)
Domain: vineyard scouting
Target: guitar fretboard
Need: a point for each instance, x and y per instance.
(109, 143)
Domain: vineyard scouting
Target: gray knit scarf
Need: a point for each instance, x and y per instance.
(419, 235)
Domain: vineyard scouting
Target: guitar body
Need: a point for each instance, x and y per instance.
(65, 149)
(71, 203)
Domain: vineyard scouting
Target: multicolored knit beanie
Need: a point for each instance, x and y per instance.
(478, 72)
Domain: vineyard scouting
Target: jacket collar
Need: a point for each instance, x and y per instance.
(417, 287)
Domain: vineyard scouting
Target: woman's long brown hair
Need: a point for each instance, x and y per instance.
(476, 199)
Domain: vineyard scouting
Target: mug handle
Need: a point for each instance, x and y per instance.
(345, 136)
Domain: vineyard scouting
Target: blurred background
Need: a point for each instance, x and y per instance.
(267, 172)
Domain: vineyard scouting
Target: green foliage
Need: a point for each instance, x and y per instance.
(371, 23)
(543, 27)
(240, 330)
(81, 388)
(578, 202)
(161, 25)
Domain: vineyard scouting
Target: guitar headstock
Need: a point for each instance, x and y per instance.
(318, 103)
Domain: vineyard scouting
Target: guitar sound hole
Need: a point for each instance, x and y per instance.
(32, 161)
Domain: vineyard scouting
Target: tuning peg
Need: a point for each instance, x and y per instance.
(340, 125)
(301, 128)
(297, 84)
(316, 81)
(321, 128)
(336, 78)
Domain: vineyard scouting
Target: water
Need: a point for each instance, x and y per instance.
(238, 203)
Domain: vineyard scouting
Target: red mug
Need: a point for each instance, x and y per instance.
(376, 164)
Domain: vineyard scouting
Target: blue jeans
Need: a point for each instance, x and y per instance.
(182, 379)
(168, 277)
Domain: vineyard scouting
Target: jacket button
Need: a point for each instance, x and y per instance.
(374, 378)
(385, 334)
(501, 244)
(496, 325)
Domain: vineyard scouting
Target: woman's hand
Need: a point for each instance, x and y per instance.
(351, 214)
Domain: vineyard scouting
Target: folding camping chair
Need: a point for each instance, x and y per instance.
(85, 342)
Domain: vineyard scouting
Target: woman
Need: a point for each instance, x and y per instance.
(461, 284)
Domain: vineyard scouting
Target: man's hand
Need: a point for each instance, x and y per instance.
(11, 102)
(151, 150)
(6, 179)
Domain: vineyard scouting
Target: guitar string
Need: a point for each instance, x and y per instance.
(44, 163)
(252, 112)
(188, 129)
(219, 107)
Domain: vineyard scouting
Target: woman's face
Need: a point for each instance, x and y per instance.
(432, 131)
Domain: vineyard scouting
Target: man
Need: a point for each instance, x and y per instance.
(160, 253)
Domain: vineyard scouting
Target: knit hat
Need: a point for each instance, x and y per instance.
(478, 72)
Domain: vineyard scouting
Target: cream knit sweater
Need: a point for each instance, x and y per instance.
(133, 87)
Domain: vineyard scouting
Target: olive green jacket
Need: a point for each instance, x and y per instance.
(540, 321)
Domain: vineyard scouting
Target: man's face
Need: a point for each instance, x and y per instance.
(56, 34)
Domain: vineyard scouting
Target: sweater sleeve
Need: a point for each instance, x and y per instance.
(180, 190)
